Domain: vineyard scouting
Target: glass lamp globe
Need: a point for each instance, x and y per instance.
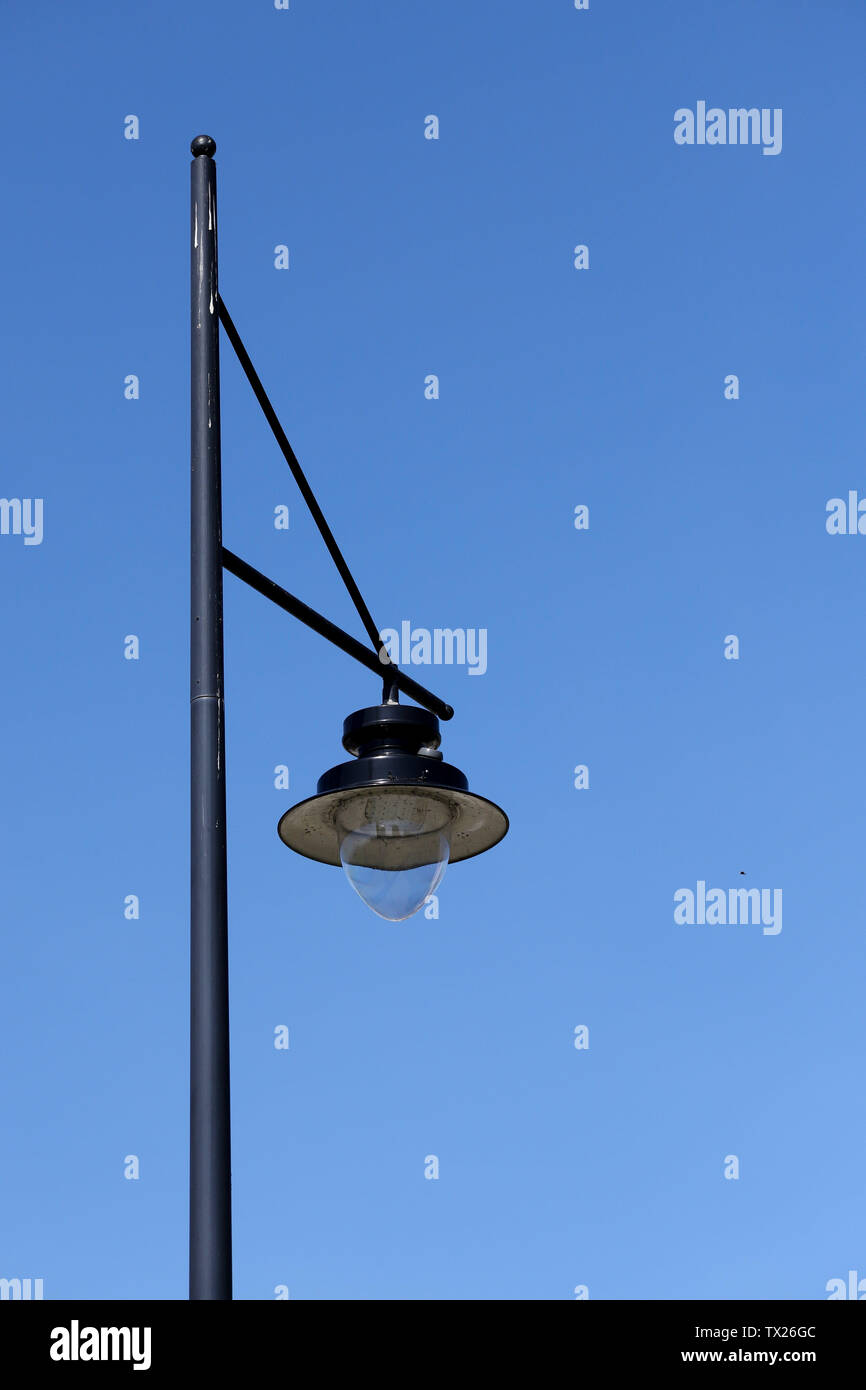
(394, 847)
(396, 816)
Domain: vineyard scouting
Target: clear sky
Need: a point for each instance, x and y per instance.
(711, 1048)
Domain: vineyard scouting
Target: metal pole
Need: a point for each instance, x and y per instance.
(210, 1239)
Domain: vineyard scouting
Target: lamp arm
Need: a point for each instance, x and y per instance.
(391, 674)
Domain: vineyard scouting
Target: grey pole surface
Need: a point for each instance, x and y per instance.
(210, 1239)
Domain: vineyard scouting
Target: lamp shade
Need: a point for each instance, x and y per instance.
(395, 815)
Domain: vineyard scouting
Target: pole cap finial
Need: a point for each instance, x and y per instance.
(203, 144)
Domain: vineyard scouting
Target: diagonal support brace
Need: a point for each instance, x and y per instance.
(350, 645)
(298, 473)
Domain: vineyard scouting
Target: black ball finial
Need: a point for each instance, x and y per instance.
(203, 144)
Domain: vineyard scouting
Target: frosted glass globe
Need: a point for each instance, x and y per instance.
(394, 848)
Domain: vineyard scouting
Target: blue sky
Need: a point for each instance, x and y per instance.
(558, 1167)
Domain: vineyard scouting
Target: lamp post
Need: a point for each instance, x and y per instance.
(394, 817)
(210, 1224)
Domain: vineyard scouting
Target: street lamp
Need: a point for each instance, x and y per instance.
(395, 817)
